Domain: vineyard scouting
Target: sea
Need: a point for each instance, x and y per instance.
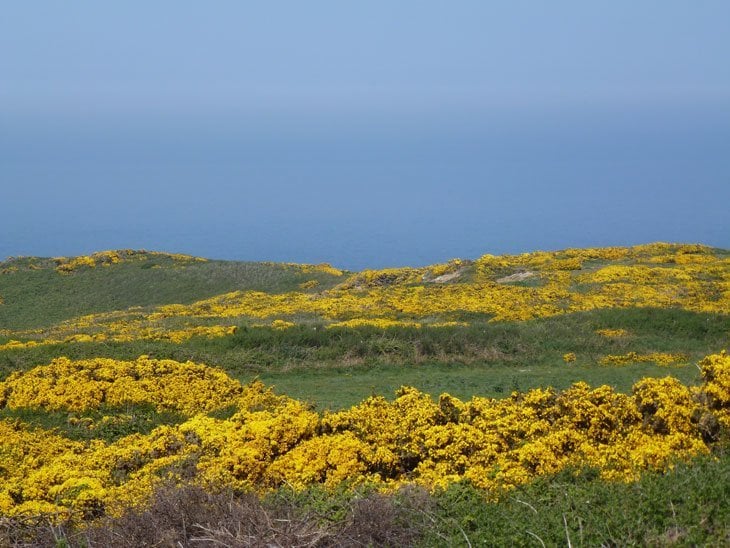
(362, 189)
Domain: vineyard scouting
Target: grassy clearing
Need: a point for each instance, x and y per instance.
(336, 368)
(343, 388)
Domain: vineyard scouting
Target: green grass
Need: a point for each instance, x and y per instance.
(341, 388)
(688, 506)
(40, 298)
(336, 368)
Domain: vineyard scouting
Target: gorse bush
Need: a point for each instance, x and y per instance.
(128, 416)
(688, 277)
(269, 440)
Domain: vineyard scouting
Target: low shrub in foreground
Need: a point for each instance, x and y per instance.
(264, 441)
(686, 507)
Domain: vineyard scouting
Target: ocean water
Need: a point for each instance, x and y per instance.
(364, 190)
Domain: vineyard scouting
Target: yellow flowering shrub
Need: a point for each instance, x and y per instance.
(118, 331)
(187, 388)
(434, 271)
(381, 323)
(658, 358)
(281, 324)
(322, 268)
(448, 324)
(382, 278)
(13, 344)
(272, 440)
(65, 265)
(716, 390)
(328, 459)
(612, 333)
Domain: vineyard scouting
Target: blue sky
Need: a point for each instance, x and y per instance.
(366, 134)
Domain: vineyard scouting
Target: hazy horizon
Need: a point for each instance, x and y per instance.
(364, 136)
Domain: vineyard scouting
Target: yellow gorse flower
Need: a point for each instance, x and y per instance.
(501, 288)
(66, 265)
(659, 358)
(271, 440)
(187, 388)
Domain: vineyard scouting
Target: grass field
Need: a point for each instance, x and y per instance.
(331, 339)
(338, 369)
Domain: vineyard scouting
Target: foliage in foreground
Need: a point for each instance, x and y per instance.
(253, 440)
(85, 442)
(685, 506)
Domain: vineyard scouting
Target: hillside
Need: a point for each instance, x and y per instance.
(294, 325)
(40, 291)
(136, 383)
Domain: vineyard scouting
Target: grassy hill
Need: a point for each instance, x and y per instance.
(127, 373)
(334, 337)
(37, 294)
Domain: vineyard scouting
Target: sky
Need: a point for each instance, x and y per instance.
(363, 134)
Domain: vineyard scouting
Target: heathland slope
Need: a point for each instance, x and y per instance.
(648, 306)
(129, 379)
(39, 291)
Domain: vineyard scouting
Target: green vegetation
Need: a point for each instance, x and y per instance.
(335, 368)
(41, 297)
(687, 506)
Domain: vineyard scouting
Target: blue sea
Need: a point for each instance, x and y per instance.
(364, 189)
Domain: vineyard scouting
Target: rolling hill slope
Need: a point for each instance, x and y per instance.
(125, 374)
(38, 292)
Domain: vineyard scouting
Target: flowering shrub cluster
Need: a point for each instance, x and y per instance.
(322, 268)
(434, 271)
(187, 388)
(659, 358)
(380, 323)
(501, 288)
(612, 333)
(126, 332)
(272, 440)
(282, 324)
(66, 265)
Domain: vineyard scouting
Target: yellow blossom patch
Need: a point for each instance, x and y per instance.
(272, 440)
(612, 333)
(282, 324)
(381, 323)
(658, 358)
(66, 265)
(187, 388)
